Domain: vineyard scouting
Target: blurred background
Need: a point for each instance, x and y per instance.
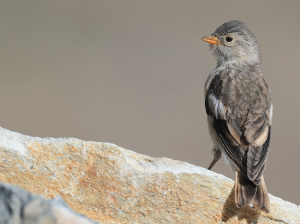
(133, 72)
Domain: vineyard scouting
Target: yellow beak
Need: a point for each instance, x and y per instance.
(211, 40)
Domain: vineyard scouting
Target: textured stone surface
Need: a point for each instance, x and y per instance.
(113, 185)
(21, 207)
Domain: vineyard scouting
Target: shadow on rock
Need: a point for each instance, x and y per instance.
(230, 211)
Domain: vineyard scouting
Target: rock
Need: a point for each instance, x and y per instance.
(20, 207)
(110, 184)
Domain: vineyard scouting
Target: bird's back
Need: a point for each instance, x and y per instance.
(239, 101)
(242, 91)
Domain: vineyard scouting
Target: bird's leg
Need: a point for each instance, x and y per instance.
(217, 155)
(212, 164)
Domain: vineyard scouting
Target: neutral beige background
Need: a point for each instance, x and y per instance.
(132, 73)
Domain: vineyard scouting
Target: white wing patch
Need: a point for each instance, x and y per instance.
(216, 107)
(271, 114)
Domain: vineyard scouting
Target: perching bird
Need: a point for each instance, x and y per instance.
(239, 109)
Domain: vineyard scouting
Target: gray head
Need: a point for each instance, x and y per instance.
(233, 42)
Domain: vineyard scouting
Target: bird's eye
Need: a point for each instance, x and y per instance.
(229, 39)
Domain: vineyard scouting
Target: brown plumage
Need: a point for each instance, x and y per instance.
(239, 109)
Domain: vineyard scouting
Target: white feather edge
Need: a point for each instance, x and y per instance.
(216, 106)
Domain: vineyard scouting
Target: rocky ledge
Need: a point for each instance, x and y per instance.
(110, 184)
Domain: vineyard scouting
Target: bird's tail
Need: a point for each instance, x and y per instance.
(247, 193)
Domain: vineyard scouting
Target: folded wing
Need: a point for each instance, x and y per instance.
(245, 137)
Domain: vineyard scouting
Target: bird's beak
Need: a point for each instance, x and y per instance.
(211, 40)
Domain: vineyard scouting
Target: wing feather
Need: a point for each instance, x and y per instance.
(235, 135)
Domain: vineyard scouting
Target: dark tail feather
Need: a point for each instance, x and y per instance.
(247, 193)
(261, 199)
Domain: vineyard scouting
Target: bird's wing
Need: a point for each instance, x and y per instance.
(244, 137)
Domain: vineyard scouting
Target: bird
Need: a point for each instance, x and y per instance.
(239, 111)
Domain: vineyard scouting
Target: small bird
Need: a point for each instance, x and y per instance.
(239, 111)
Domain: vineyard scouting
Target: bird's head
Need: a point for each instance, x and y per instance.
(233, 42)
